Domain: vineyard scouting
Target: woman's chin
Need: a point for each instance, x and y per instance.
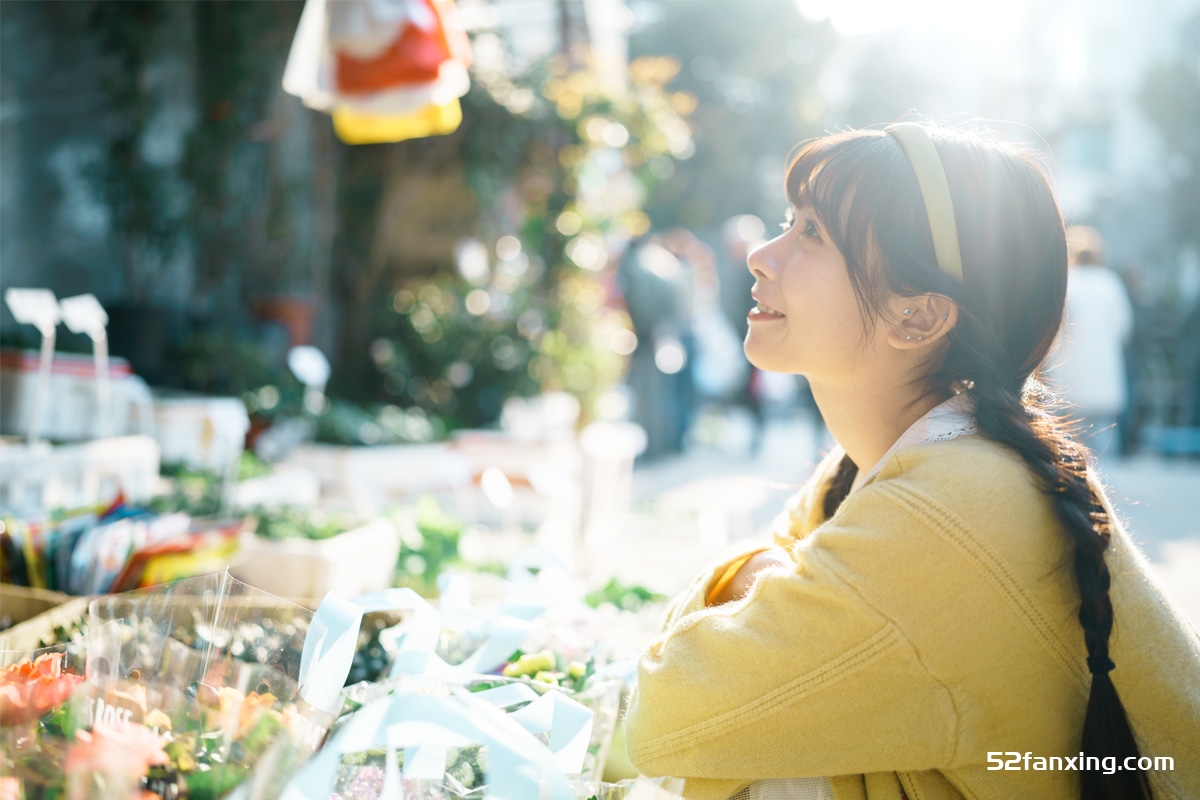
(764, 357)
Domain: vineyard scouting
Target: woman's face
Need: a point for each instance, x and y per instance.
(806, 320)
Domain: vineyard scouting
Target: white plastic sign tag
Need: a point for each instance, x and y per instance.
(37, 307)
(84, 314)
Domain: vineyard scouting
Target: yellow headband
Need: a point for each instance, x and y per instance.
(935, 189)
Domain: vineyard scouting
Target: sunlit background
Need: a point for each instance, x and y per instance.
(568, 264)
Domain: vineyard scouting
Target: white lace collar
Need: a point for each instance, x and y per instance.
(949, 420)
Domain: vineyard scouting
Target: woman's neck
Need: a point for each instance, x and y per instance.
(866, 420)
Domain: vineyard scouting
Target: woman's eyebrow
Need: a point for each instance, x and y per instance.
(802, 204)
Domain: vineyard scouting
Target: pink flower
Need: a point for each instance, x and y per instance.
(128, 747)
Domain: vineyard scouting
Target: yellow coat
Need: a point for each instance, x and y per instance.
(931, 621)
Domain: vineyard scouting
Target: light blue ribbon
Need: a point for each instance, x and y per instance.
(517, 762)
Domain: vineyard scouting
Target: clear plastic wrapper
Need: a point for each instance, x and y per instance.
(35, 689)
(578, 749)
(235, 724)
(189, 690)
(427, 740)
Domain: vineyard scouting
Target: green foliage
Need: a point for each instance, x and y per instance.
(240, 226)
(137, 192)
(200, 492)
(290, 522)
(556, 143)
(223, 200)
(59, 722)
(557, 182)
(196, 492)
(216, 781)
(629, 598)
(348, 423)
(751, 69)
(229, 363)
(251, 466)
(429, 538)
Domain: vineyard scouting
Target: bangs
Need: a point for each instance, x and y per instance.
(824, 173)
(853, 181)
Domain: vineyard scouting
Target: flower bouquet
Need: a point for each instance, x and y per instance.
(554, 709)
(128, 734)
(34, 689)
(190, 690)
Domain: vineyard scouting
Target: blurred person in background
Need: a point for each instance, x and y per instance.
(657, 287)
(741, 235)
(1189, 349)
(718, 364)
(952, 584)
(1138, 353)
(1088, 368)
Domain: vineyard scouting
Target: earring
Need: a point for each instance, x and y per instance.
(919, 338)
(907, 311)
(907, 337)
(945, 316)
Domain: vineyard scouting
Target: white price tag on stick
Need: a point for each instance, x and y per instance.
(39, 308)
(84, 314)
(36, 307)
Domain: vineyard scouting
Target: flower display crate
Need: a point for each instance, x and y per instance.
(352, 563)
(36, 612)
(41, 475)
(373, 477)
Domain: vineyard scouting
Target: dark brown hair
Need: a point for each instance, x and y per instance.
(1014, 254)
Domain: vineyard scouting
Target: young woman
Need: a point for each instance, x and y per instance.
(951, 608)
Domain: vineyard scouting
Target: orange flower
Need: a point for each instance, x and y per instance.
(31, 688)
(245, 709)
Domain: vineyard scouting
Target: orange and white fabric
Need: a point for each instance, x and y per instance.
(386, 70)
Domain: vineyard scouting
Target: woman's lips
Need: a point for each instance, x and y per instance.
(763, 313)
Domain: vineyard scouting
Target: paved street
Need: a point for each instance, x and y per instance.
(687, 507)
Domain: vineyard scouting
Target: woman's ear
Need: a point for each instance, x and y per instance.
(921, 320)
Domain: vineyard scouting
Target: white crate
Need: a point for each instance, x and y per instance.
(71, 410)
(370, 478)
(357, 561)
(286, 487)
(42, 477)
(200, 431)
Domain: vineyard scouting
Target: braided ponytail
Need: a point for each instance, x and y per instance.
(1041, 439)
(1010, 303)
(839, 486)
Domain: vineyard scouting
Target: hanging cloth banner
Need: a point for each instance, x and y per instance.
(387, 70)
(413, 58)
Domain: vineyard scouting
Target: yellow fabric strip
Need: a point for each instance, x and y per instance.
(935, 189)
(353, 127)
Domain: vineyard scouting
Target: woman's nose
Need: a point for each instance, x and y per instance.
(762, 263)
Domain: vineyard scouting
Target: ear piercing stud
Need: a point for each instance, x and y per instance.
(907, 311)
(945, 316)
(907, 337)
(919, 338)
